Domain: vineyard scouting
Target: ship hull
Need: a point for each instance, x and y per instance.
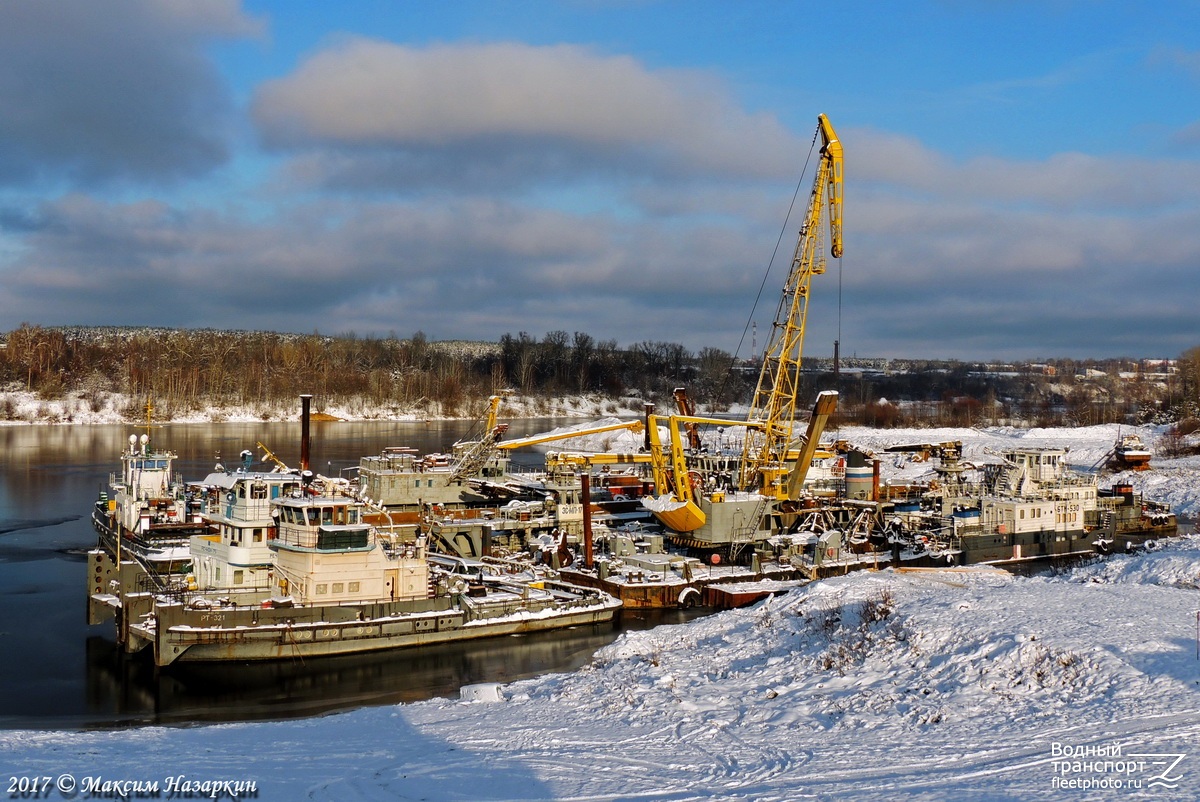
(180, 633)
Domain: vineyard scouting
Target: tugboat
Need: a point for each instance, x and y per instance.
(235, 553)
(342, 586)
(1030, 506)
(337, 584)
(146, 514)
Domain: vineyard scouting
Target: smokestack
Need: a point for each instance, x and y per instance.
(585, 496)
(649, 408)
(305, 402)
(837, 362)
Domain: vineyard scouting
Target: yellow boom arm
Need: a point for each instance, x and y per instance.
(774, 405)
(633, 426)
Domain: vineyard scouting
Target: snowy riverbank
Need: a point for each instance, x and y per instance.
(872, 686)
(21, 407)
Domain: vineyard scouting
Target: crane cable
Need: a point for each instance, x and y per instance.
(762, 285)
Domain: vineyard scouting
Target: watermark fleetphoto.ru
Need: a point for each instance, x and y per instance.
(1114, 767)
(95, 786)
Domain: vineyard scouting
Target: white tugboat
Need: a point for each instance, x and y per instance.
(343, 587)
(235, 554)
(146, 514)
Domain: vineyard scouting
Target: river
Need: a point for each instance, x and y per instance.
(57, 671)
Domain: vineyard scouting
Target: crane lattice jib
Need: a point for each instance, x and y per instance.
(774, 406)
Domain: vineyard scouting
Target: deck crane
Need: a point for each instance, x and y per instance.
(634, 426)
(774, 405)
(471, 456)
(765, 474)
(684, 508)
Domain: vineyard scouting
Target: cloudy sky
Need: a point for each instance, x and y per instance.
(1022, 179)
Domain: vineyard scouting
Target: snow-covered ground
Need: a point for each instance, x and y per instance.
(954, 685)
(22, 407)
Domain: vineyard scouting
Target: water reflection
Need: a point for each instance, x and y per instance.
(123, 690)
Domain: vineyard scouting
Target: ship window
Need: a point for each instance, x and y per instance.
(327, 515)
(353, 517)
(217, 573)
(1022, 513)
(354, 586)
(258, 534)
(322, 588)
(241, 491)
(338, 587)
(313, 515)
(258, 491)
(238, 576)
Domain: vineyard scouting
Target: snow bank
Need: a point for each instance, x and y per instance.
(967, 684)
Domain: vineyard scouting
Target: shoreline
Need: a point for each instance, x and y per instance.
(24, 408)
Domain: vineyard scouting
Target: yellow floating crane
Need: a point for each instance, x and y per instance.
(774, 461)
(774, 407)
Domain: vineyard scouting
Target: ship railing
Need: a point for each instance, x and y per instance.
(326, 536)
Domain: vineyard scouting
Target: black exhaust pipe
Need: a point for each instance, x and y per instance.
(305, 401)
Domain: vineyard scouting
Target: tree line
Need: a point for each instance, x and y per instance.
(186, 370)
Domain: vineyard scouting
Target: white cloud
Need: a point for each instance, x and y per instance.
(114, 91)
(1060, 181)
(487, 101)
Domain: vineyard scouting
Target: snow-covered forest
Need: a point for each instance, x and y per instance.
(58, 375)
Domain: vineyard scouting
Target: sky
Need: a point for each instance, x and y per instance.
(1022, 180)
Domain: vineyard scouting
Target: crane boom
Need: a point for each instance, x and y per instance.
(825, 406)
(774, 405)
(634, 426)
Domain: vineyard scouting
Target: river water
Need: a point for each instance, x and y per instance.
(55, 671)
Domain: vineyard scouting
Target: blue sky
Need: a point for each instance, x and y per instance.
(1022, 179)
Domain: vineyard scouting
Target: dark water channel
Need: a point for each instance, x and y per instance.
(55, 671)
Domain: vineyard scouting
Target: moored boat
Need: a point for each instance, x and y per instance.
(235, 552)
(146, 514)
(343, 586)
